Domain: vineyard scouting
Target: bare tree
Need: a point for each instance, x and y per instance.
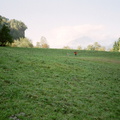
(43, 43)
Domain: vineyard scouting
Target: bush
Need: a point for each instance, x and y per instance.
(22, 42)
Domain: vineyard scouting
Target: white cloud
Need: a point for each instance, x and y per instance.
(59, 37)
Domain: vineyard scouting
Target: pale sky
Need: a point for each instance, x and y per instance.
(62, 21)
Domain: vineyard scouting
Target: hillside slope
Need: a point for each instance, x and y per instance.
(53, 84)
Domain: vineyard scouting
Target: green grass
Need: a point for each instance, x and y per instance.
(47, 84)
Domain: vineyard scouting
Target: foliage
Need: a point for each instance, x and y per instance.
(3, 21)
(38, 45)
(46, 84)
(90, 47)
(5, 36)
(22, 42)
(79, 47)
(17, 28)
(66, 47)
(45, 45)
(96, 46)
(116, 46)
(0, 20)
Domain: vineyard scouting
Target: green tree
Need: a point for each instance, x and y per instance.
(116, 46)
(17, 28)
(0, 20)
(5, 36)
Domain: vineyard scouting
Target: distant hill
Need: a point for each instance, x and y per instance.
(85, 41)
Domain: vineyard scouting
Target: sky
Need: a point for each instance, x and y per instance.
(63, 21)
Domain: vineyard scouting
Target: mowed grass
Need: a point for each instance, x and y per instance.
(49, 84)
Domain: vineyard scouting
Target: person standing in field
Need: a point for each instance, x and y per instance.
(75, 53)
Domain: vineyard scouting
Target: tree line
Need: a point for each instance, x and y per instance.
(97, 47)
(11, 30)
(12, 33)
(5, 36)
(17, 28)
(116, 46)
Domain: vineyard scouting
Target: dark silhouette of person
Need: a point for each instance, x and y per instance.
(75, 53)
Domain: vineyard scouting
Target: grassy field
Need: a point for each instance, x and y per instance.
(49, 84)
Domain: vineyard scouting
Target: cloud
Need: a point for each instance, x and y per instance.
(83, 34)
(61, 36)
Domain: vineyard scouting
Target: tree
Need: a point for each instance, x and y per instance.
(116, 46)
(43, 40)
(22, 42)
(42, 43)
(102, 49)
(90, 47)
(96, 46)
(5, 36)
(0, 20)
(45, 45)
(79, 47)
(38, 45)
(66, 47)
(17, 28)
